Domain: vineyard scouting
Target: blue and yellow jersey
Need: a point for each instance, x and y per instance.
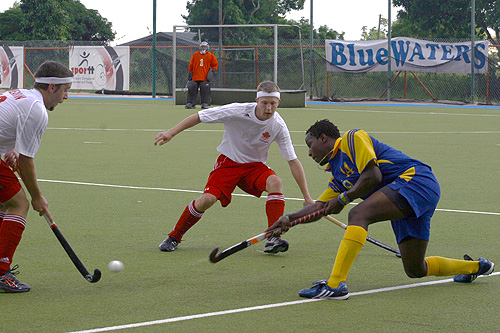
(352, 153)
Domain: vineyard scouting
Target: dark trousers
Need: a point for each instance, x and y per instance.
(204, 87)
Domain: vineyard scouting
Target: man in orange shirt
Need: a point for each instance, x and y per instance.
(200, 76)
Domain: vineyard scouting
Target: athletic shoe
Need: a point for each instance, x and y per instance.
(275, 245)
(204, 105)
(169, 244)
(486, 267)
(10, 284)
(189, 106)
(324, 291)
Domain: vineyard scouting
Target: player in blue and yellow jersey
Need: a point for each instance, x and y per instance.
(394, 187)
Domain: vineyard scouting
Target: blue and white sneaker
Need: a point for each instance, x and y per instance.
(322, 290)
(486, 267)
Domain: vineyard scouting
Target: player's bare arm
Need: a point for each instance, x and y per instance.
(164, 137)
(300, 177)
(367, 181)
(27, 172)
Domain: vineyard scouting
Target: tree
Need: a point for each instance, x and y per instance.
(488, 17)
(374, 32)
(323, 32)
(87, 24)
(44, 20)
(202, 12)
(446, 19)
(10, 23)
(54, 20)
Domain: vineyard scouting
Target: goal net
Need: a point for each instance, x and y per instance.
(247, 55)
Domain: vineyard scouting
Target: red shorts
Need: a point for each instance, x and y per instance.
(227, 174)
(9, 184)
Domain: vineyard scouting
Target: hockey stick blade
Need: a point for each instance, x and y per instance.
(72, 255)
(214, 257)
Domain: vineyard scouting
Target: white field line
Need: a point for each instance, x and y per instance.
(235, 194)
(315, 108)
(261, 307)
(222, 131)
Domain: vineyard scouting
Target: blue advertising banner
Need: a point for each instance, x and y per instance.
(407, 54)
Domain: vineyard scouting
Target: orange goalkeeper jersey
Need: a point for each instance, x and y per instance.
(200, 64)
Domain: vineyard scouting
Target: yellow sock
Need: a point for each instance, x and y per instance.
(351, 244)
(439, 266)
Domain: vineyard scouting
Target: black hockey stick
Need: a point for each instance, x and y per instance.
(74, 258)
(368, 238)
(214, 257)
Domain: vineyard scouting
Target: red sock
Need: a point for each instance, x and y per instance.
(11, 231)
(188, 218)
(275, 207)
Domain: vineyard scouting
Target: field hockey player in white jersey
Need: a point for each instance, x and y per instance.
(23, 120)
(250, 128)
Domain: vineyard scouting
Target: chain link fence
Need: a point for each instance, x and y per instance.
(416, 86)
(245, 66)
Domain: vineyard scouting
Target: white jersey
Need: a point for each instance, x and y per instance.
(23, 120)
(246, 138)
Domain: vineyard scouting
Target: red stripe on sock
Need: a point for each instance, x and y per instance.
(188, 219)
(275, 207)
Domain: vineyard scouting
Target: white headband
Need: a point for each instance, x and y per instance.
(54, 80)
(268, 94)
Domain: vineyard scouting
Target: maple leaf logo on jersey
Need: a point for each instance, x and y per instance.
(265, 137)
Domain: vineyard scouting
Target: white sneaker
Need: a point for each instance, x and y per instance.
(275, 245)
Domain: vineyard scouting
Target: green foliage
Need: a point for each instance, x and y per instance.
(488, 17)
(44, 20)
(10, 23)
(323, 32)
(54, 20)
(445, 19)
(374, 32)
(87, 24)
(204, 12)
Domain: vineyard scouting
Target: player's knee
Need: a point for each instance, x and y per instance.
(24, 205)
(18, 204)
(192, 86)
(415, 272)
(357, 216)
(204, 202)
(274, 184)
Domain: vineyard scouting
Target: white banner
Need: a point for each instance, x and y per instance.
(408, 54)
(11, 67)
(100, 67)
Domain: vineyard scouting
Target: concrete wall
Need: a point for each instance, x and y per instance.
(222, 96)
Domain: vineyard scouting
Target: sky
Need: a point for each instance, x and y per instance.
(132, 21)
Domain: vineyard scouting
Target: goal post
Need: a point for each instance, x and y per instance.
(233, 88)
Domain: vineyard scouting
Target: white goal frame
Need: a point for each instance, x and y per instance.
(275, 26)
